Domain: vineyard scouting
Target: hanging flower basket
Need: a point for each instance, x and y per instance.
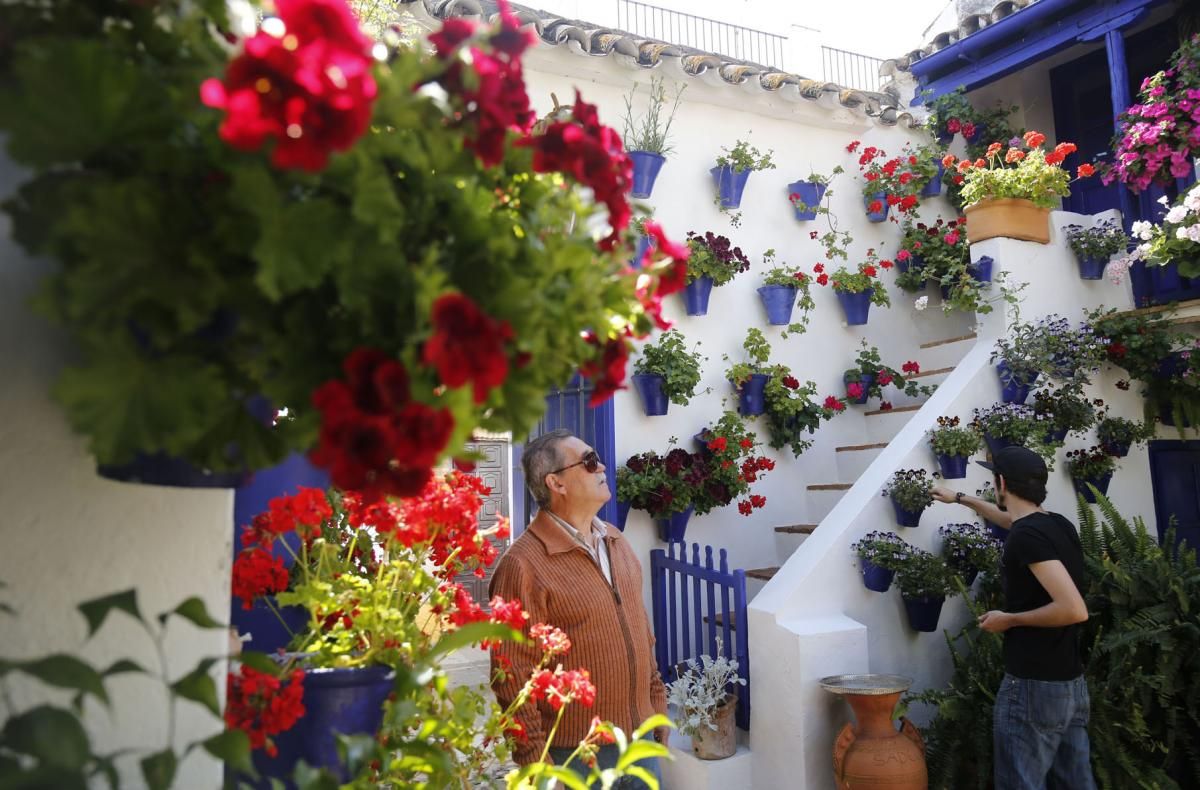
(751, 395)
(875, 577)
(650, 387)
(934, 187)
(952, 467)
(673, 528)
(865, 380)
(1010, 218)
(1091, 268)
(856, 306)
(810, 194)
(1116, 449)
(730, 184)
(923, 613)
(346, 701)
(981, 269)
(906, 518)
(1081, 486)
(879, 199)
(645, 171)
(778, 301)
(623, 509)
(1014, 389)
(696, 293)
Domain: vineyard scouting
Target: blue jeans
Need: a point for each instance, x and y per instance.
(1040, 735)
(606, 757)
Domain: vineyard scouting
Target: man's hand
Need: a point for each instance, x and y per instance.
(995, 622)
(943, 494)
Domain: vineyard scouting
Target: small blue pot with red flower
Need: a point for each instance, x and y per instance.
(806, 197)
(877, 206)
(856, 306)
(673, 528)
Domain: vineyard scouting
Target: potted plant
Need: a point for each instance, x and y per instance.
(664, 486)
(969, 548)
(869, 376)
(712, 262)
(733, 466)
(1095, 245)
(1010, 192)
(924, 580)
(953, 446)
(886, 182)
(1116, 435)
(792, 410)
(1090, 467)
(750, 378)
(879, 555)
(949, 114)
(667, 372)
(647, 137)
(1171, 249)
(1065, 410)
(702, 693)
(734, 168)
(806, 195)
(927, 168)
(1075, 352)
(781, 286)
(1006, 424)
(1021, 356)
(911, 492)
(858, 290)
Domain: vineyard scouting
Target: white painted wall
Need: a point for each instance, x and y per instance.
(820, 584)
(69, 536)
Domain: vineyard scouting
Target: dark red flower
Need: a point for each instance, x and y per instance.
(607, 371)
(257, 573)
(790, 382)
(467, 345)
(260, 705)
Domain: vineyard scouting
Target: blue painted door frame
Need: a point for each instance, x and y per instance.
(1175, 479)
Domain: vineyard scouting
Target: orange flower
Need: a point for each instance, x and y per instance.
(948, 160)
(1034, 139)
(981, 162)
(993, 149)
(964, 165)
(1086, 170)
(1014, 155)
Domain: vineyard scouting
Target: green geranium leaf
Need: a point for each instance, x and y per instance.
(52, 736)
(309, 778)
(375, 202)
(102, 101)
(300, 246)
(64, 671)
(356, 751)
(193, 610)
(159, 769)
(123, 666)
(198, 686)
(260, 661)
(472, 634)
(232, 747)
(96, 610)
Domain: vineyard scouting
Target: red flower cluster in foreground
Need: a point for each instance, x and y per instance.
(467, 345)
(561, 686)
(261, 705)
(309, 88)
(257, 573)
(374, 439)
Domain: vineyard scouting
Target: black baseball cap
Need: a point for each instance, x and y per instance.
(1018, 463)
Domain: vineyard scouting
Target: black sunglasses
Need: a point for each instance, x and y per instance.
(590, 462)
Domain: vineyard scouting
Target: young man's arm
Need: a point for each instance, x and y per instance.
(1066, 606)
(985, 509)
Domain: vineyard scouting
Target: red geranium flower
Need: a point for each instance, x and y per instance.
(790, 382)
(607, 369)
(467, 345)
(260, 705)
(833, 403)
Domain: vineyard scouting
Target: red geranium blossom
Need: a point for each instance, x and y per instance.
(309, 89)
(607, 369)
(833, 403)
(467, 345)
(260, 705)
(257, 573)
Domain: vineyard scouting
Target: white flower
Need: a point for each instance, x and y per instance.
(1163, 200)
(1193, 233)
(1141, 230)
(1176, 214)
(921, 303)
(1181, 233)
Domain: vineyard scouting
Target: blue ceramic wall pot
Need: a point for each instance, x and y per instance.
(934, 187)
(347, 701)
(1091, 268)
(953, 467)
(654, 400)
(730, 183)
(875, 578)
(1014, 388)
(866, 380)
(695, 295)
(856, 306)
(645, 171)
(810, 194)
(906, 518)
(923, 613)
(673, 528)
(778, 301)
(1101, 483)
(751, 395)
(622, 514)
(882, 214)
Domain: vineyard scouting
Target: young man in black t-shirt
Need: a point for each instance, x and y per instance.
(1041, 713)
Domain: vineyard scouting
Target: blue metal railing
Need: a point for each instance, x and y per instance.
(697, 32)
(695, 602)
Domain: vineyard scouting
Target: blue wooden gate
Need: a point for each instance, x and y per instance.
(693, 604)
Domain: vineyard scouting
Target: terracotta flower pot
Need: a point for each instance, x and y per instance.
(871, 752)
(717, 745)
(1011, 218)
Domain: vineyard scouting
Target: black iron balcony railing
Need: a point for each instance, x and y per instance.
(709, 35)
(850, 69)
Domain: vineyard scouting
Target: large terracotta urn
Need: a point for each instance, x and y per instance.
(871, 752)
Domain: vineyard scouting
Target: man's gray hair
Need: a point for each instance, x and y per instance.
(541, 457)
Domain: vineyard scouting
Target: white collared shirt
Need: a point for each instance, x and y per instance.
(600, 554)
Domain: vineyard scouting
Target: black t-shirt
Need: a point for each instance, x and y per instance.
(1041, 653)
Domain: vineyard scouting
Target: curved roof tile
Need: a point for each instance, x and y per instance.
(966, 26)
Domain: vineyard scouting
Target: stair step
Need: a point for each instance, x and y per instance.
(934, 372)
(852, 448)
(947, 341)
(896, 409)
(763, 574)
(719, 620)
(830, 487)
(797, 529)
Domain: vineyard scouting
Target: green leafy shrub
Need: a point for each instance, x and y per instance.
(911, 489)
(670, 358)
(949, 439)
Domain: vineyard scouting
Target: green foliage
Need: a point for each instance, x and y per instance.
(1100, 242)
(1090, 464)
(922, 574)
(758, 351)
(868, 362)
(792, 411)
(949, 439)
(952, 104)
(1032, 179)
(912, 489)
(651, 132)
(791, 277)
(1118, 430)
(744, 157)
(670, 358)
(885, 549)
(714, 256)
